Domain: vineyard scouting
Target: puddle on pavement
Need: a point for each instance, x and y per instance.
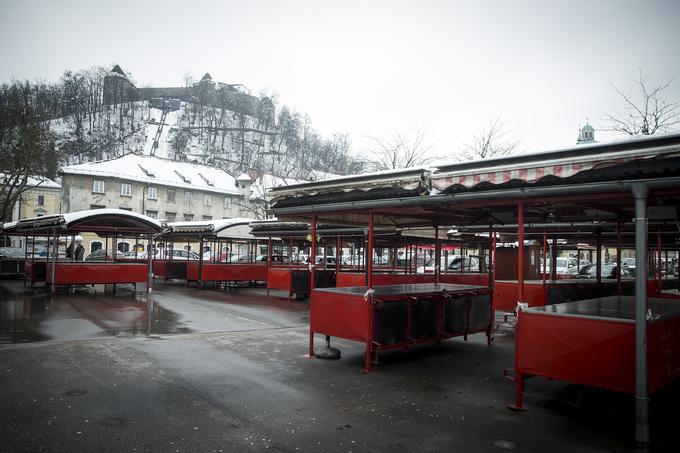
(28, 316)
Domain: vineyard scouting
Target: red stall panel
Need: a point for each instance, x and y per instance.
(592, 342)
(225, 272)
(159, 268)
(97, 273)
(345, 279)
(279, 278)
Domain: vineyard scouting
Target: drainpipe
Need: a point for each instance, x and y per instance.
(640, 193)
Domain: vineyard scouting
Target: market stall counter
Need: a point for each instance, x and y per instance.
(592, 342)
(399, 316)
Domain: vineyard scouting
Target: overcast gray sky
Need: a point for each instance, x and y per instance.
(370, 67)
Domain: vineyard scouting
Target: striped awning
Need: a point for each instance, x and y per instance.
(533, 172)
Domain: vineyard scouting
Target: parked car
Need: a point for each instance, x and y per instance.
(445, 261)
(131, 255)
(104, 255)
(628, 263)
(563, 266)
(326, 262)
(608, 271)
(12, 252)
(276, 259)
(177, 254)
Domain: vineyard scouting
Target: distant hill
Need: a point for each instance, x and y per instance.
(99, 113)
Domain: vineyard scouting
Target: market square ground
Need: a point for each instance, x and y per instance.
(228, 371)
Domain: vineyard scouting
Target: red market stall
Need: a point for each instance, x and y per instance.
(291, 271)
(418, 309)
(110, 267)
(228, 253)
(589, 342)
(399, 316)
(628, 188)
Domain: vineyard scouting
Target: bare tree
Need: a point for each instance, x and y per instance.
(645, 109)
(27, 149)
(399, 150)
(493, 140)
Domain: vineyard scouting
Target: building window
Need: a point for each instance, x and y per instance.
(97, 206)
(123, 247)
(41, 200)
(207, 199)
(227, 202)
(98, 186)
(188, 197)
(96, 245)
(152, 193)
(207, 217)
(152, 214)
(126, 189)
(188, 217)
(171, 195)
(170, 216)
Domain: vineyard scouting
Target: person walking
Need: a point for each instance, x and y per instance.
(79, 254)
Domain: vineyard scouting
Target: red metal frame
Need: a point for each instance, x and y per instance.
(352, 317)
(592, 351)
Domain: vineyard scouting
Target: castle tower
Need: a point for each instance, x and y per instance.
(586, 134)
(117, 87)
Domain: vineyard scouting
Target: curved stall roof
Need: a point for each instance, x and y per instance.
(101, 221)
(237, 228)
(484, 191)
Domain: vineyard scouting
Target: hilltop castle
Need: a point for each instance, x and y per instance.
(118, 88)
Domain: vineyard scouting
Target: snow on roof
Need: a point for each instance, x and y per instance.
(263, 183)
(73, 217)
(159, 171)
(243, 177)
(117, 72)
(71, 220)
(38, 181)
(236, 228)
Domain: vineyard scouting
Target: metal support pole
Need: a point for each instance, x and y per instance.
(520, 252)
(545, 259)
(640, 192)
(598, 246)
(658, 261)
(491, 259)
(553, 259)
(618, 258)
(437, 255)
(149, 255)
(312, 255)
(200, 263)
(369, 251)
(55, 252)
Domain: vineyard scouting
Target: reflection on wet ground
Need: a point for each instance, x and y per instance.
(33, 315)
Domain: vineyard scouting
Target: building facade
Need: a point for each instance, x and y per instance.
(42, 197)
(160, 188)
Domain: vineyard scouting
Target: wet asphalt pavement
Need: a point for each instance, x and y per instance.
(217, 370)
